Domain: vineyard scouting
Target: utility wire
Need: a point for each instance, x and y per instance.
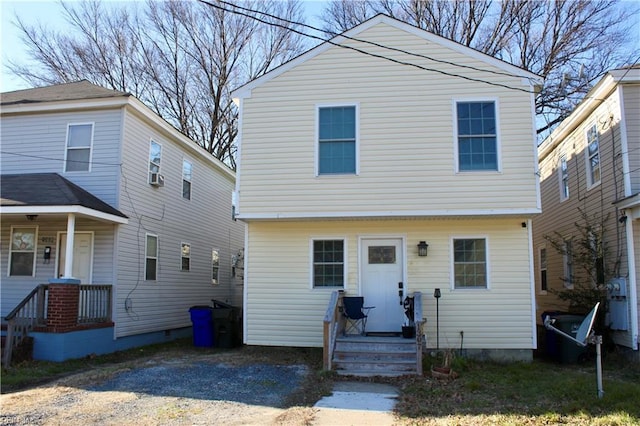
(59, 159)
(394, 49)
(374, 55)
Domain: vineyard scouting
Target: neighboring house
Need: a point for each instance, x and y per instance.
(149, 212)
(590, 165)
(347, 161)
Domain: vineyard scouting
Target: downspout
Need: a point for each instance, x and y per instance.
(633, 293)
(534, 330)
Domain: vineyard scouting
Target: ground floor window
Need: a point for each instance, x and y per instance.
(185, 255)
(470, 263)
(543, 268)
(328, 263)
(215, 267)
(22, 253)
(151, 258)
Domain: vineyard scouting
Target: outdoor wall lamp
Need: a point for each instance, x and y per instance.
(422, 248)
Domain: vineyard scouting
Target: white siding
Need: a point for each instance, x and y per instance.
(14, 289)
(407, 121)
(631, 95)
(283, 309)
(40, 141)
(204, 222)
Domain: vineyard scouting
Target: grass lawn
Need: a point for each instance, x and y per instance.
(537, 393)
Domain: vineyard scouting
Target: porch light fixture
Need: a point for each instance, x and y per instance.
(422, 248)
(32, 217)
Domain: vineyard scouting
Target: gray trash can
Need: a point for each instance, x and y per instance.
(570, 351)
(226, 322)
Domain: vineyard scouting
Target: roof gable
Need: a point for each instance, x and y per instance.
(245, 90)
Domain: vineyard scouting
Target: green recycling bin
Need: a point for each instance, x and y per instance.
(570, 351)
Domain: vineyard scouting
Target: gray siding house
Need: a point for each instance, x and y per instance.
(149, 212)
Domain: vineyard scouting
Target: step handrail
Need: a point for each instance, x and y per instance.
(22, 319)
(331, 327)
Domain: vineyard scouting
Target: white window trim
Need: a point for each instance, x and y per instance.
(454, 114)
(146, 255)
(219, 263)
(563, 158)
(540, 269)
(66, 147)
(35, 251)
(152, 141)
(316, 137)
(182, 256)
(186, 160)
(345, 269)
(453, 266)
(587, 158)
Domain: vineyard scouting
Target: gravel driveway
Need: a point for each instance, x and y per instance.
(193, 390)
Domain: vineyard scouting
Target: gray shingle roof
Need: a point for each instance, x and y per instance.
(80, 90)
(48, 189)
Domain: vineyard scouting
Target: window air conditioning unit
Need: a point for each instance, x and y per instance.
(156, 179)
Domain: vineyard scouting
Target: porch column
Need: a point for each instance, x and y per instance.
(71, 230)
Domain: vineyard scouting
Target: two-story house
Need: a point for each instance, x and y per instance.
(590, 183)
(383, 163)
(98, 189)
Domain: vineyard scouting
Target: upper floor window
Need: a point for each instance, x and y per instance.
(593, 156)
(78, 154)
(337, 140)
(470, 263)
(22, 252)
(564, 179)
(151, 258)
(155, 155)
(187, 170)
(477, 136)
(185, 256)
(328, 263)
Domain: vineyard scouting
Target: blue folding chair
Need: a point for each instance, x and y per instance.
(355, 314)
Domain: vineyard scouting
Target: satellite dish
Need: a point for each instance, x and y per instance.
(587, 324)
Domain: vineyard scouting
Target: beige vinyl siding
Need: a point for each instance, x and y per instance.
(204, 222)
(406, 135)
(284, 309)
(41, 141)
(14, 289)
(559, 217)
(631, 96)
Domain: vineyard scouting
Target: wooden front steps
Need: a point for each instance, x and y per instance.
(356, 355)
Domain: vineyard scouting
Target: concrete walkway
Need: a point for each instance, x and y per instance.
(356, 403)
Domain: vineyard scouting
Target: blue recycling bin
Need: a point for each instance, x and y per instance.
(202, 320)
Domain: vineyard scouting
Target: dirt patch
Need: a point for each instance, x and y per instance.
(232, 388)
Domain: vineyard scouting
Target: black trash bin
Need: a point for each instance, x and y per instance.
(202, 320)
(570, 351)
(552, 339)
(226, 323)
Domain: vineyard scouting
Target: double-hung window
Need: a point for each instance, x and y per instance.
(567, 263)
(328, 263)
(185, 257)
(477, 136)
(215, 267)
(564, 179)
(470, 263)
(151, 258)
(22, 251)
(543, 269)
(337, 140)
(78, 154)
(155, 156)
(187, 171)
(593, 156)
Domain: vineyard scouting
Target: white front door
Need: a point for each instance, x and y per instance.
(382, 274)
(82, 256)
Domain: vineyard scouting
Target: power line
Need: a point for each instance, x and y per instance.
(302, 24)
(59, 159)
(374, 55)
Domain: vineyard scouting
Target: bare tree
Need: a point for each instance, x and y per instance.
(569, 43)
(182, 58)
